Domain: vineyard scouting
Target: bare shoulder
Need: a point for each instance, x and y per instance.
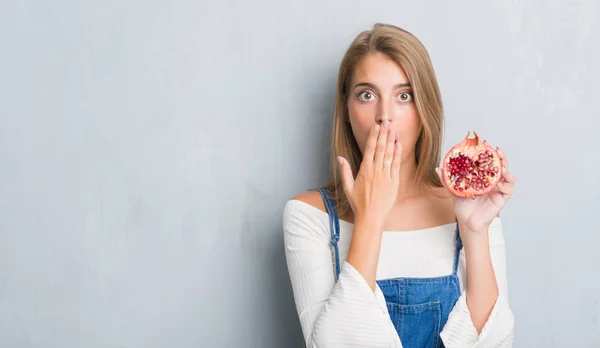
(312, 198)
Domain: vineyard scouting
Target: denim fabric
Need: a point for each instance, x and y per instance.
(418, 307)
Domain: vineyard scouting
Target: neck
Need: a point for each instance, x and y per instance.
(407, 188)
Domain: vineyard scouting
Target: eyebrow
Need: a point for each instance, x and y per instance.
(367, 84)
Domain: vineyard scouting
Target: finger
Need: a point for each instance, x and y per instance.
(347, 177)
(397, 160)
(506, 189)
(369, 152)
(502, 156)
(389, 152)
(508, 177)
(441, 176)
(381, 145)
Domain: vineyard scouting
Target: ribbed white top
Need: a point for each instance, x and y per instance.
(347, 313)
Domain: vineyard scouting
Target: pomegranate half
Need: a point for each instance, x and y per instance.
(472, 168)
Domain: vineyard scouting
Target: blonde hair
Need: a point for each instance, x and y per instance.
(408, 52)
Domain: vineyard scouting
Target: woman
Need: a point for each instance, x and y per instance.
(384, 255)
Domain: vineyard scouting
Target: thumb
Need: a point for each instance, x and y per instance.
(347, 178)
(440, 175)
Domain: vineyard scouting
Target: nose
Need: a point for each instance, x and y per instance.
(383, 118)
(384, 112)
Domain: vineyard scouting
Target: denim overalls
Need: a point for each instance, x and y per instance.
(418, 307)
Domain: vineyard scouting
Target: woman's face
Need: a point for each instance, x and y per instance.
(380, 92)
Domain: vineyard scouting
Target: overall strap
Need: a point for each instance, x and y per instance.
(334, 225)
(459, 246)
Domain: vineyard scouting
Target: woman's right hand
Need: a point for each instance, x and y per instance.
(373, 193)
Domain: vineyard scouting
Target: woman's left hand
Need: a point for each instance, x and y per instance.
(477, 214)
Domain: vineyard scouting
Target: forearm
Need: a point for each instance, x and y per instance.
(363, 253)
(482, 288)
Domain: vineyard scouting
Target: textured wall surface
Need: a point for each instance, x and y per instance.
(147, 149)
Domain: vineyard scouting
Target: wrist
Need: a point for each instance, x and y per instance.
(368, 222)
(474, 225)
(475, 242)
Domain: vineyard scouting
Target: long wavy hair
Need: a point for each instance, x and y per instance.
(409, 53)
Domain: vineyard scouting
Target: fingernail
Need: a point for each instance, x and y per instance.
(377, 127)
(385, 124)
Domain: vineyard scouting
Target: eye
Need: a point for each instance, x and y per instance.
(405, 97)
(366, 96)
